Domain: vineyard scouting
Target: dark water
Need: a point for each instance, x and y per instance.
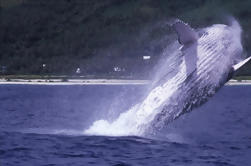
(43, 125)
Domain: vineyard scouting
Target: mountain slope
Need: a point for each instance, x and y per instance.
(99, 35)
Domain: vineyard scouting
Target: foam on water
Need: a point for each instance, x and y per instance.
(189, 76)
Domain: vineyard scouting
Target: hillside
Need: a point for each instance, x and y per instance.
(97, 36)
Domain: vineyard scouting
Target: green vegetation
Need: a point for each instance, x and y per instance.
(99, 35)
(11, 3)
(63, 78)
(239, 78)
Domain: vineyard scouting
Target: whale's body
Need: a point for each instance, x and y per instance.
(207, 60)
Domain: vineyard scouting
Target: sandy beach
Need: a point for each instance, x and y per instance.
(97, 82)
(238, 82)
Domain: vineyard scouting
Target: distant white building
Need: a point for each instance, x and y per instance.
(78, 71)
(146, 57)
(117, 69)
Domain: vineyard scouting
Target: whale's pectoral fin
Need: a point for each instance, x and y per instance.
(236, 67)
(240, 64)
(186, 34)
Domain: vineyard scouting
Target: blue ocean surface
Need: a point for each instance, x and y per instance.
(44, 125)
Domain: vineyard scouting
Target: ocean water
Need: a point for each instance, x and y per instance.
(44, 125)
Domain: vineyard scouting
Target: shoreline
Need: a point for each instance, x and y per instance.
(74, 82)
(238, 82)
(96, 82)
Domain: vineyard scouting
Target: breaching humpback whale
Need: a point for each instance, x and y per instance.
(209, 58)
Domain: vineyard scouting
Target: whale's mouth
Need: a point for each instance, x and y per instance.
(181, 83)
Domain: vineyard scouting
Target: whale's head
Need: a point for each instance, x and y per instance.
(213, 50)
(229, 37)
